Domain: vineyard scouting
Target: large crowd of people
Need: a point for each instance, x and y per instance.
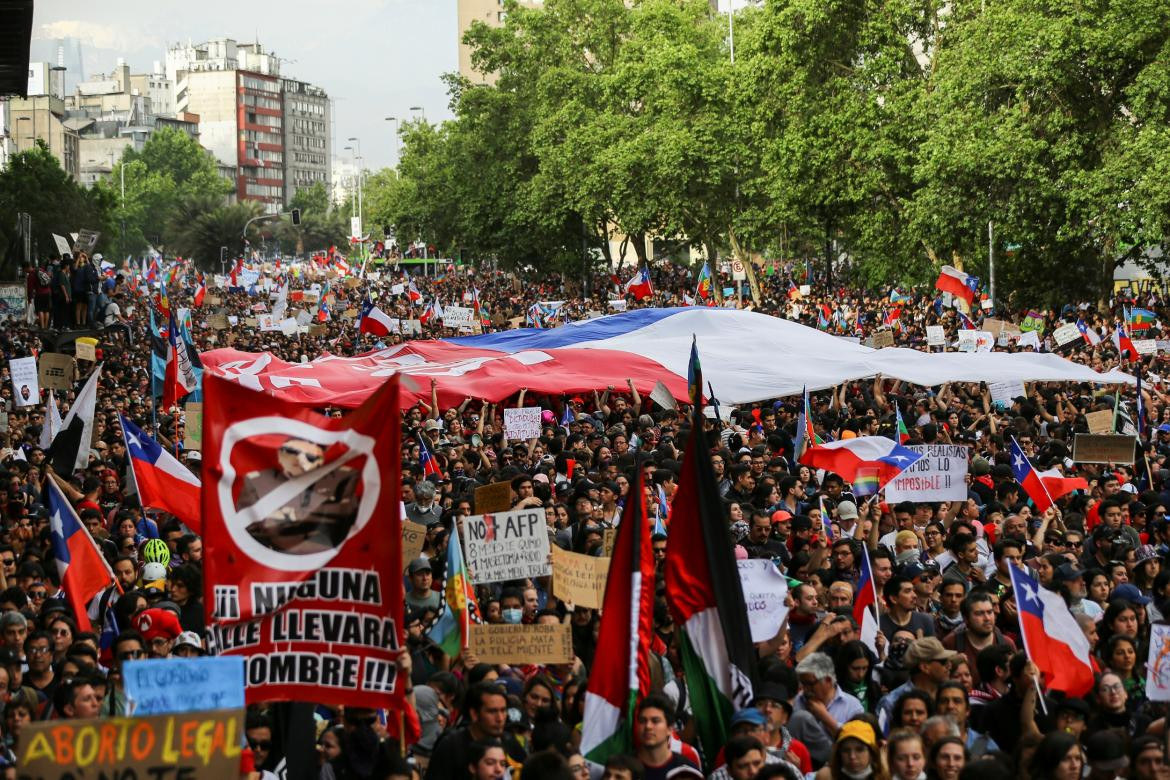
(949, 693)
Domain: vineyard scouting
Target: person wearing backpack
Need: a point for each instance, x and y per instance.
(39, 288)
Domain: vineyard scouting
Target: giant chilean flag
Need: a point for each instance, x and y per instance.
(957, 283)
(1054, 641)
(705, 595)
(81, 568)
(162, 481)
(621, 664)
(848, 456)
(1029, 479)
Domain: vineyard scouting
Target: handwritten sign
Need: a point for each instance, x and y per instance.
(608, 537)
(56, 371)
(496, 497)
(976, 341)
(506, 546)
(193, 427)
(1066, 333)
(1003, 393)
(939, 475)
(26, 389)
(936, 336)
(192, 745)
(1158, 665)
(268, 322)
(580, 578)
(883, 338)
(1145, 346)
(519, 644)
(163, 687)
(62, 243)
(458, 316)
(522, 423)
(764, 592)
(413, 536)
(1103, 448)
(617, 304)
(1100, 422)
(86, 240)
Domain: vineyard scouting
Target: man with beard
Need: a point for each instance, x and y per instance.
(487, 711)
(978, 631)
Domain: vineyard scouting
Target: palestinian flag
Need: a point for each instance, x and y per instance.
(705, 596)
(903, 431)
(621, 665)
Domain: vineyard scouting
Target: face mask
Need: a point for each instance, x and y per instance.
(512, 615)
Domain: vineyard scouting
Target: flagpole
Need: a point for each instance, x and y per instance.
(1024, 635)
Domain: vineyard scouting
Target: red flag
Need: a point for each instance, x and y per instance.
(303, 545)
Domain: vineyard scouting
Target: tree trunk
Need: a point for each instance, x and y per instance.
(748, 267)
(713, 260)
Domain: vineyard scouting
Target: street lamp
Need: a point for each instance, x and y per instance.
(397, 131)
(420, 111)
(360, 176)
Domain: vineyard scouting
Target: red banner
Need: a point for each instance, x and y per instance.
(302, 537)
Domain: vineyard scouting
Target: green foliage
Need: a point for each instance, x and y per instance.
(34, 182)
(202, 230)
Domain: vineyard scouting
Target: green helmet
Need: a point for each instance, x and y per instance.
(156, 551)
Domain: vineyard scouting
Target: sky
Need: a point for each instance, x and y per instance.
(375, 58)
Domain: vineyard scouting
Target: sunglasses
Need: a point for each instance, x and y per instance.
(260, 744)
(131, 654)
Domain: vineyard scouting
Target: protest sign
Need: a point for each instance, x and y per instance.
(506, 546)
(580, 578)
(268, 322)
(661, 396)
(935, 336)
(190, 745)
(883, 338)
(288, 326)
(458, 316)
(539, 643)
(1002, 393)
(998, 327)
(975, 341)
(411, 328)
(617, 304)
(764, 592)
(1066, 333)
(56, 371)
(26, 389)
(608, 537)
(251, 322)
(13, 302)
(1030, 339)
(397, 289)
(523, 423)
(317, 330)
(62, 243)
(1158, 663)
(496, 497)
(193, 428)
(304, 557)
(218, 321)
(212, 300)
(304, 318)
(163, 687)
(1100, 422)
(86, 241)
(805, 289)
(987, 304)
(1145, 346)
(939, 475)
(1103, 448)
(413, 536)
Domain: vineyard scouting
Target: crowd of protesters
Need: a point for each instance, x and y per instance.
(949, 694)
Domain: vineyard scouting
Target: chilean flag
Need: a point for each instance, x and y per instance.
(83, 571)
(965, 322)
(426, 459)
(1054, 641)
(865, 603)
(1091, 337)
(1029, 479)
(1059, 485)
(957, 283)
(412, 292)
(1123, 344)
(639, 286)
(847, 456)
(374, 321)
(200, 293)
(162, 482)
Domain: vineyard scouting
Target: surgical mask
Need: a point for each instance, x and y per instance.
(512, 615)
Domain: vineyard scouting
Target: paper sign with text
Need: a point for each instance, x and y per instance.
(163, 687)
(56, 371)
(413, 537)
(1158, 663)
(506, 643)
(764, 592)
(1100, 422)
(458, 316)
(1066, 333)
(26, 389)
(506, 546)
(1093, 448)
(522, 424)
(1002, 393)
(936, 336)
(579, 578)
(939, 475)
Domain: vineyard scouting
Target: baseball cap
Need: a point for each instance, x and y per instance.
(925, 650)
(189, 639)
(154, 571)
(432, 425)
(847, 510)
(748, 715)
(1130, 593)
(420, 564)
(859, 730)
(780, 515)
(155, 623)
(1068, 571)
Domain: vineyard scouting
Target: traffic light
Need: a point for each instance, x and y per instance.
(296, 217)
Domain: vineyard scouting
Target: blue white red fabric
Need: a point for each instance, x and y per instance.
(162, 481)
(1123, 344)
(639, 286)
(1029, 478)
(426, 459)
(1091, 337)
(1052, 637)
(643, 345)
(412, 292)
(957, 283)
(81, 567)
(373, 320)
(847, 456)
(1059, 485)
(965, 322)
(180, 377)
(865, 602)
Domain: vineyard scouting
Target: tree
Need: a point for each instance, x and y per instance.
(202, 235)
(35, 183)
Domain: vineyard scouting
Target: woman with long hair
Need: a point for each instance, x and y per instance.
(1120, 655)
(1120, 619)
(855, 755)
(905, 756)
(1057, 757)
(855, 673)
(911, 710)
(948, 756)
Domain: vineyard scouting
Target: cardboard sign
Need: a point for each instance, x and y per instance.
(580, 578)
(193, 429)
(1158, 666)
(996, 327)
(496, 497)
(56, 371)
(251, 322)
(351, 282)
(506, 546)
(975, 341)
(162, 687)
(84, 350)
(661, 396)
(1100, 422)
(218, 321)
(316, 330)
(1103, 448)
(883, 338)
(936, 336)
(1003, 393)
(268, 323)
(458, 316)
(62, 243)
(1145, 346)
(26, 388)
(86, 240)
(212, 300)
(764, 591)
(519, 644)
(413, 536)
(349, 314)
(193, 745)
(939, 475)
(522, 424)
(1067, 333)
(608, 537)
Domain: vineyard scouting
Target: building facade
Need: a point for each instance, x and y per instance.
(307, 158)
(43, 118)
(492, 13)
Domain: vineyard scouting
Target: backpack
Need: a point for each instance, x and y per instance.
(43, 278)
